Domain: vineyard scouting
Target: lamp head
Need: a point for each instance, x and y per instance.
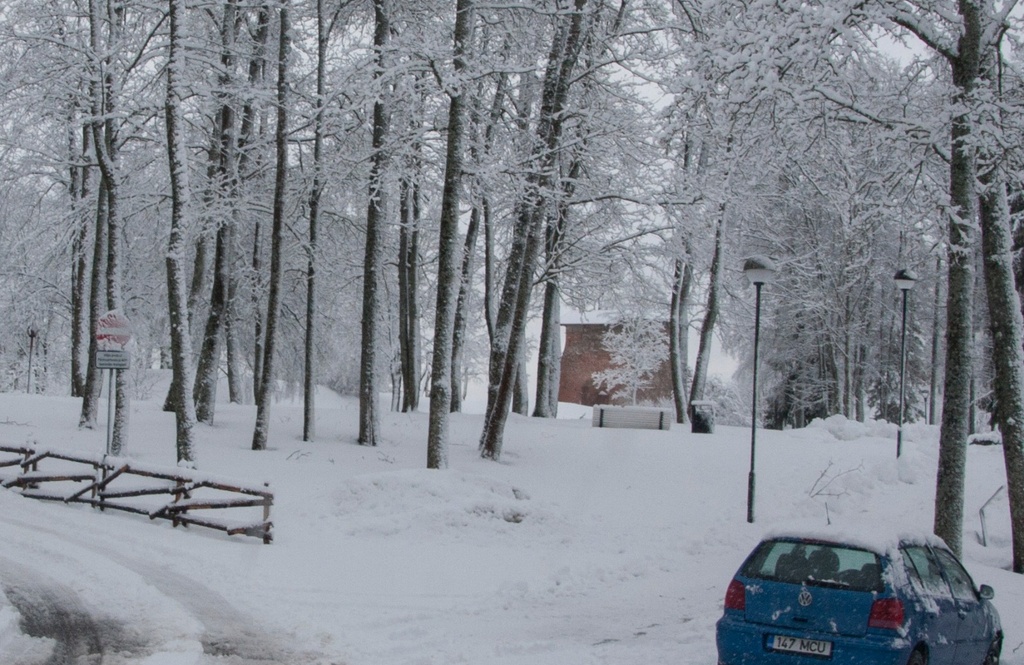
(905, 279)
(759, 269)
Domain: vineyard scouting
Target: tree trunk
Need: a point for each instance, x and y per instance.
(480, 216)
(177, 295)
(223, 185)
(862, 384)
(236, 389)
(258, 333)
(119, 431)
(197, 284)
(247, 130)
(309, 375)
(845, 397)
(936, 366)
(490, 306)
(678, 342)
(208, 368)
(965, 66)
(521, 389)
(94, 378)
(99, 86)
(265, 388)
(949, 494)
(549, 352)
(461, 305)
(80, 194)
(1005, 317)
(1006, 323)
(449, 261)
(707, 327)
(550, 349)
(408, 292)
(376, 218)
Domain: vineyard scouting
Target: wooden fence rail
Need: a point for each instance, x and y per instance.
(121, 484)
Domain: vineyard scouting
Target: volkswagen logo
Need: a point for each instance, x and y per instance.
(805, 598)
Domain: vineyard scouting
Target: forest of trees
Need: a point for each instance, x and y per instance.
(380, 195)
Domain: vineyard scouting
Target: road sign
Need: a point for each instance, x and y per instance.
(112, 359)
(113, 331)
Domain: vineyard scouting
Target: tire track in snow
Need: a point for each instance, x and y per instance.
(53, 611)
(227, 633)
(229, 637)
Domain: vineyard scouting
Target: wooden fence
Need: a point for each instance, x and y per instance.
(114, 483)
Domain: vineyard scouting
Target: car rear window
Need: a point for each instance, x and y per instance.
(817, 564)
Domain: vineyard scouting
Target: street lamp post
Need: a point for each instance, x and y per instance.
(31, 351)
(905, 280)
(759, 271)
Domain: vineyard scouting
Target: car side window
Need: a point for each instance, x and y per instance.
(959, 580)
(925, 571)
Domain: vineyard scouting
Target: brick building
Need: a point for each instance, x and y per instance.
(584, 354)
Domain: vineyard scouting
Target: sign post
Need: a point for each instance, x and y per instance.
(113, 332)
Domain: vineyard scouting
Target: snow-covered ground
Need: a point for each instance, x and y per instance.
(582, 546)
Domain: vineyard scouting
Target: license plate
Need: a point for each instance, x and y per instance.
(800, 645)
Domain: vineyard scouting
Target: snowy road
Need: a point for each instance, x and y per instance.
(99, 602)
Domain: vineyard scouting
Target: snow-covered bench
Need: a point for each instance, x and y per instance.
(633, 417)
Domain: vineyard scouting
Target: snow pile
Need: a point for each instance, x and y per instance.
(993, 438)
(452, 505)
(844, 429)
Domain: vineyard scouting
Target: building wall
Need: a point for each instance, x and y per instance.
(584, 355)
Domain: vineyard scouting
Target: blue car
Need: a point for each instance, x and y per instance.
(798, 600)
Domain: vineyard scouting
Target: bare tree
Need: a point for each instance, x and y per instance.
(223, 185)
(1005, 319)
(408, 284)
(265, 383)
(376, 215)
(480, 218)
(449, 261)
(508, 342)
(315, 193)
(250, 135)
(637, 348)
(711, 310)
(79, 190)
(177, 293)
(93, 381)
(106, 18)
(682, 281)
(964, 58)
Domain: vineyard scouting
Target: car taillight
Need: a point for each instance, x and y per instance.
(736, 596)
(886, 613)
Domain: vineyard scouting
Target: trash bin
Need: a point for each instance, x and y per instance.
(702, 417)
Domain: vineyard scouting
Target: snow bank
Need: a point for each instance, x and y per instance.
(844, 429)
(451, 505)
